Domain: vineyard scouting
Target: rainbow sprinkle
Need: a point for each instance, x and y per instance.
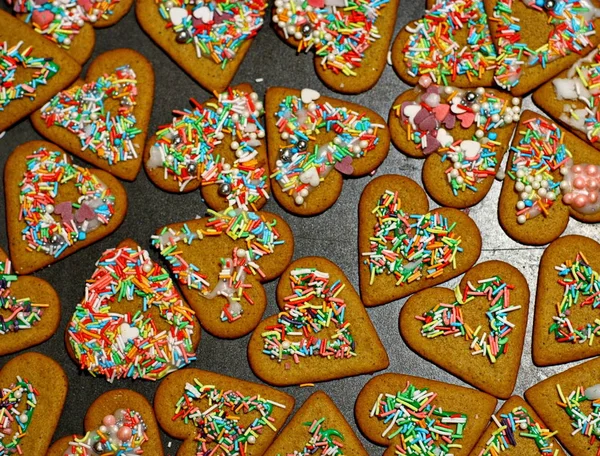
(579, 281)
(339, 31)
(46, 172)
(572, 26)
(82, 111)
(219, 431)
(14, 418)
(22, 313)
(518, 423)
(585, 425)
(322, 441)
(424, 429)
(447, 319)
(11, 58)
(300, 167)
(410, 246)
(218, 29)
(129, 345)
(303, 317)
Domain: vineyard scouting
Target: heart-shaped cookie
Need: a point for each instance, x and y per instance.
(132, 321)
(516, 427)
(322, 332)
(38, 178)
(31, 70)
(567, 309)
(135, 428)
(33, 388)
(30, 309)
(475, 331)
(104, 120)
(569, 403)
(217, 146)
(318, 427)
(307, 137)
(461, 162)
(399, 411)
(404, 247)
(450, 45)
(552, 175)
(556, 34)
(208, 40)
(217, 414)
(350, 40)
(221, 261)
(572, 98)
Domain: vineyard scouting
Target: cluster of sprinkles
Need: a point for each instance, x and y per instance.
(580, 283)
(14, 420)
(20, 313)
(259, 236)
(61, 20)
(186, 148)
(131, 345)
(471, 161)
(585, 425)
(447, 319)
(410, 246)
(50, 226)
(301, 166)
(121, 433)
(327, 442)
(304, 318)
(572, 25)
(82, 111)
(518, 423)
(21, 56)
(218, 427)
(424, 429)
(433, 49)
(217, 29)
(339, 31)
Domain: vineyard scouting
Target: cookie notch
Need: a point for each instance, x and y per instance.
(361, 339)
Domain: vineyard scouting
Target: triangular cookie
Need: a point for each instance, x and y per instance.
(322, 332)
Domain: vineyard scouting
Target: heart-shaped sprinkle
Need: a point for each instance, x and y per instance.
(204, 14)
(309, 95)
(441, 111)
(444, 138)
(430, 144)
(129, 332)
(345, 166)
(177, 15)
(310, 176)
(466, 119)
(65, 211)
(84, 213)
(42, 17)
(471, 149)
(450, 121)
(410, 111)
(422, 114)
(15, 420)
(428, 123)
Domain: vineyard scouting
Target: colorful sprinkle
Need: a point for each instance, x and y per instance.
(322, 441)
(130, 345)
(587, 425)
(82, 111)
(15, 418)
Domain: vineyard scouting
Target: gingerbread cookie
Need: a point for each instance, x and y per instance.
(70, 25)
(402, 411)
(224, 152)
(462, 134)
(318, 427)
(573, 99)
(33, 389)
(323, 331)
(517, 430)
(48, 70)
(118, 422)
(221, 261)
(475, 331)
(350, 40)
(132, 321)
(569, 403)
(552, 175)
(208, 40)
(104, 121)
(537, 39)
(219, 414)
(30, 309)
(404, 247)
(314, 141)
(449, 45)
(54, 208)
(566, 311)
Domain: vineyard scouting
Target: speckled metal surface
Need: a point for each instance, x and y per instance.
(332, 234)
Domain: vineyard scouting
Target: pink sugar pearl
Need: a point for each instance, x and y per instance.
(580, 201)
(592, 170)
(579, 182)
(124, 433)
(567, 198)
(109, 420)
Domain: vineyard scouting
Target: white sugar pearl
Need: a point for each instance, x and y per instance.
(285, 135)
(542, 192)
(480, 91)
(520, 205)
(241, 253)
(479, 134)
(261, 133)
(49, 209)
(226, 167)
(147, 267)
(516, 101)
(364, 144)
(519, 186)
(304, 192)
(520, 173)
(528, 188)
(298, 35)
(524, 196)
(251, 439)
(551, 196)
(521, 219)
(299, 200)
(286, 344)
(475, 107)
(495, 118)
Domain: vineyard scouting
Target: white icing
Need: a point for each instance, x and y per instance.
(592, 392)
(225, 289)
(157, 157)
